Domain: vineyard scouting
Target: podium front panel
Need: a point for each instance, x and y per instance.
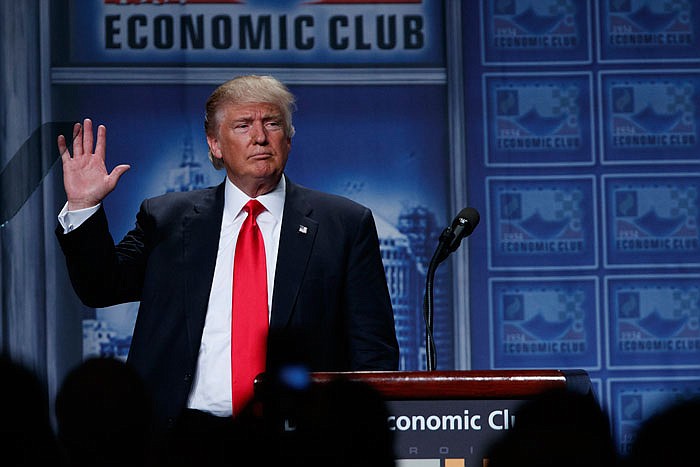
(448, 432)
(451, 419)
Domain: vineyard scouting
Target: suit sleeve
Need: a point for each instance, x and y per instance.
(102, 273)
(370, 318)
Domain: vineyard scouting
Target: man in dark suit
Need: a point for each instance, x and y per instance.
(326, 284)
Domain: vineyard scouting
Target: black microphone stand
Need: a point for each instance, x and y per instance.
(450, 238)
(439, 256)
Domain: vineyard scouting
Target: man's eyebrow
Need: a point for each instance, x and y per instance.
(247, 118)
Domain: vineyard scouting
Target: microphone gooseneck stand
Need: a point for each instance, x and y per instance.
(438, 257)
(450, 238)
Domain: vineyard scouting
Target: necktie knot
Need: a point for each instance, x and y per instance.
(253, 208)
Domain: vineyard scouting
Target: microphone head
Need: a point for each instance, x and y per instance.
(468, 219)
(462, 226)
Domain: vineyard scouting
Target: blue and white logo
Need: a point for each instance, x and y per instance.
(652, 220)
(649, 30)
(654, 319)
(544, 323)
(541, 223)
(526, 31)
(648, 116)
(538, 120)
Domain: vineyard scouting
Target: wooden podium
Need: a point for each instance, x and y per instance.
(450, 418)
(483, 384)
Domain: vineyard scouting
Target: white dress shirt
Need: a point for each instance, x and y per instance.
(211, 388)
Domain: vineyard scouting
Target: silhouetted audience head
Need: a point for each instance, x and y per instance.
(26, 437)
(349, 427)
(295, 422)
(104, 413)
(557, 429)
(668, 438)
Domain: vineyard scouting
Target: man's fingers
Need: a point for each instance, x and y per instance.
(117, 172)
(77, 139)
(101, 142)
(76, 131)
(115, 175)
(87, 136)
(62, 148)
(82, 141)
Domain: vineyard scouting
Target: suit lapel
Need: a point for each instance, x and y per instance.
(296, 241)
(201, 231)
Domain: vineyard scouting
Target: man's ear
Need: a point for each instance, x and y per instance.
(214, 146)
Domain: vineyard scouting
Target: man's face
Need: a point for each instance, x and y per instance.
(252, 142)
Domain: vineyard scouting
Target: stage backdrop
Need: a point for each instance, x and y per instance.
(571, 125)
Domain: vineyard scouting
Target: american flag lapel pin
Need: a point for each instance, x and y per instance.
(303, 229)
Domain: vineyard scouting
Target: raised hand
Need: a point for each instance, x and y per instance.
(85, 176)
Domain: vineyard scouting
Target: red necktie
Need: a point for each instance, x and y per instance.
(249, 317)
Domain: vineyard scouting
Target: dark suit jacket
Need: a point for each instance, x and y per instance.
(330, 293)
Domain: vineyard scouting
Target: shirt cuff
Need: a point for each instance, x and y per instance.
(71, 220)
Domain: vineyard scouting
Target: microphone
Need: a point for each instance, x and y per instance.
(462, 226)
(450, 239)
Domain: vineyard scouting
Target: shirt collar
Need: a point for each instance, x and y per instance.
(235, 199)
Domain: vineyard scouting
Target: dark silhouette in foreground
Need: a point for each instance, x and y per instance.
(103, 412)
(668, 438)
(556, 429)
(26, 437)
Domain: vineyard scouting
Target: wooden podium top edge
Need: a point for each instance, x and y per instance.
(477, 384)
